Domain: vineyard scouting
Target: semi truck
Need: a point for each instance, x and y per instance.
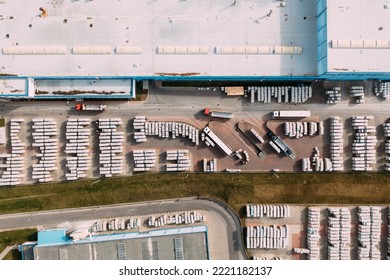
(291, 114)
(218, 114)
(84, 107)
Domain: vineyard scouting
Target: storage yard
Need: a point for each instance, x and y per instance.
(277, 118)
(72, 148)
(109, 149)
(317, 232)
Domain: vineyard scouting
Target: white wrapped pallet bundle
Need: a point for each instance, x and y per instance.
(3, 138)
(336, 143)
(143, 128)
(144, 160)
(111, 147)
(333, 95)
(268, 211)
(388, 232)
(293, 94)
(77, 134)
(364, 143)
(267, 237)
(339, 225)
(382, 90)
(208, 166)
(386, 130)
(313, 236)
(188, 217)
(181, 160)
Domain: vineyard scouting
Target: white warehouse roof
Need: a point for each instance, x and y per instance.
(358, 35)
(161, 37)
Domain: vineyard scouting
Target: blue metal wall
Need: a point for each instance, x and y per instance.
(322, 38)
(355, 76)
(226, 78)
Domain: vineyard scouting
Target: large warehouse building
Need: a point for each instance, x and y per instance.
(186, 243)
(59, 48)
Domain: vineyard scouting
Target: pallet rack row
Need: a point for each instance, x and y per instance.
(364, 144)
(13, 164)
(369, 232)
(336, 144)
(45, 139)
(116, 224)
(357, 92)
(300, 129)
(382, 90)
(388, 233)
(77, 136)
(188, 217)
(339, 233)
(267, 211)
(386, 129)
(266, 237)
(144, 160)
(110, 146)
(144, 128)
(180, 158)
(313, 233)
(286, 94)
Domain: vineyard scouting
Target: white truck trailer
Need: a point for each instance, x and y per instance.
(218, 114)
(291, 114)
(90, 107)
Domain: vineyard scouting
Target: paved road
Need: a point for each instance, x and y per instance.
(53, 218)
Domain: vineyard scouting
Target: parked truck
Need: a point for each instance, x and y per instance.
(218, 114)
(291, 114)
(84, 107)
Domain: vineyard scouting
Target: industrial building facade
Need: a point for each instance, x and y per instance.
(74, 45)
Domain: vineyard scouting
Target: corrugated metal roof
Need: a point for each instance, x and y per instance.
(57, 236)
